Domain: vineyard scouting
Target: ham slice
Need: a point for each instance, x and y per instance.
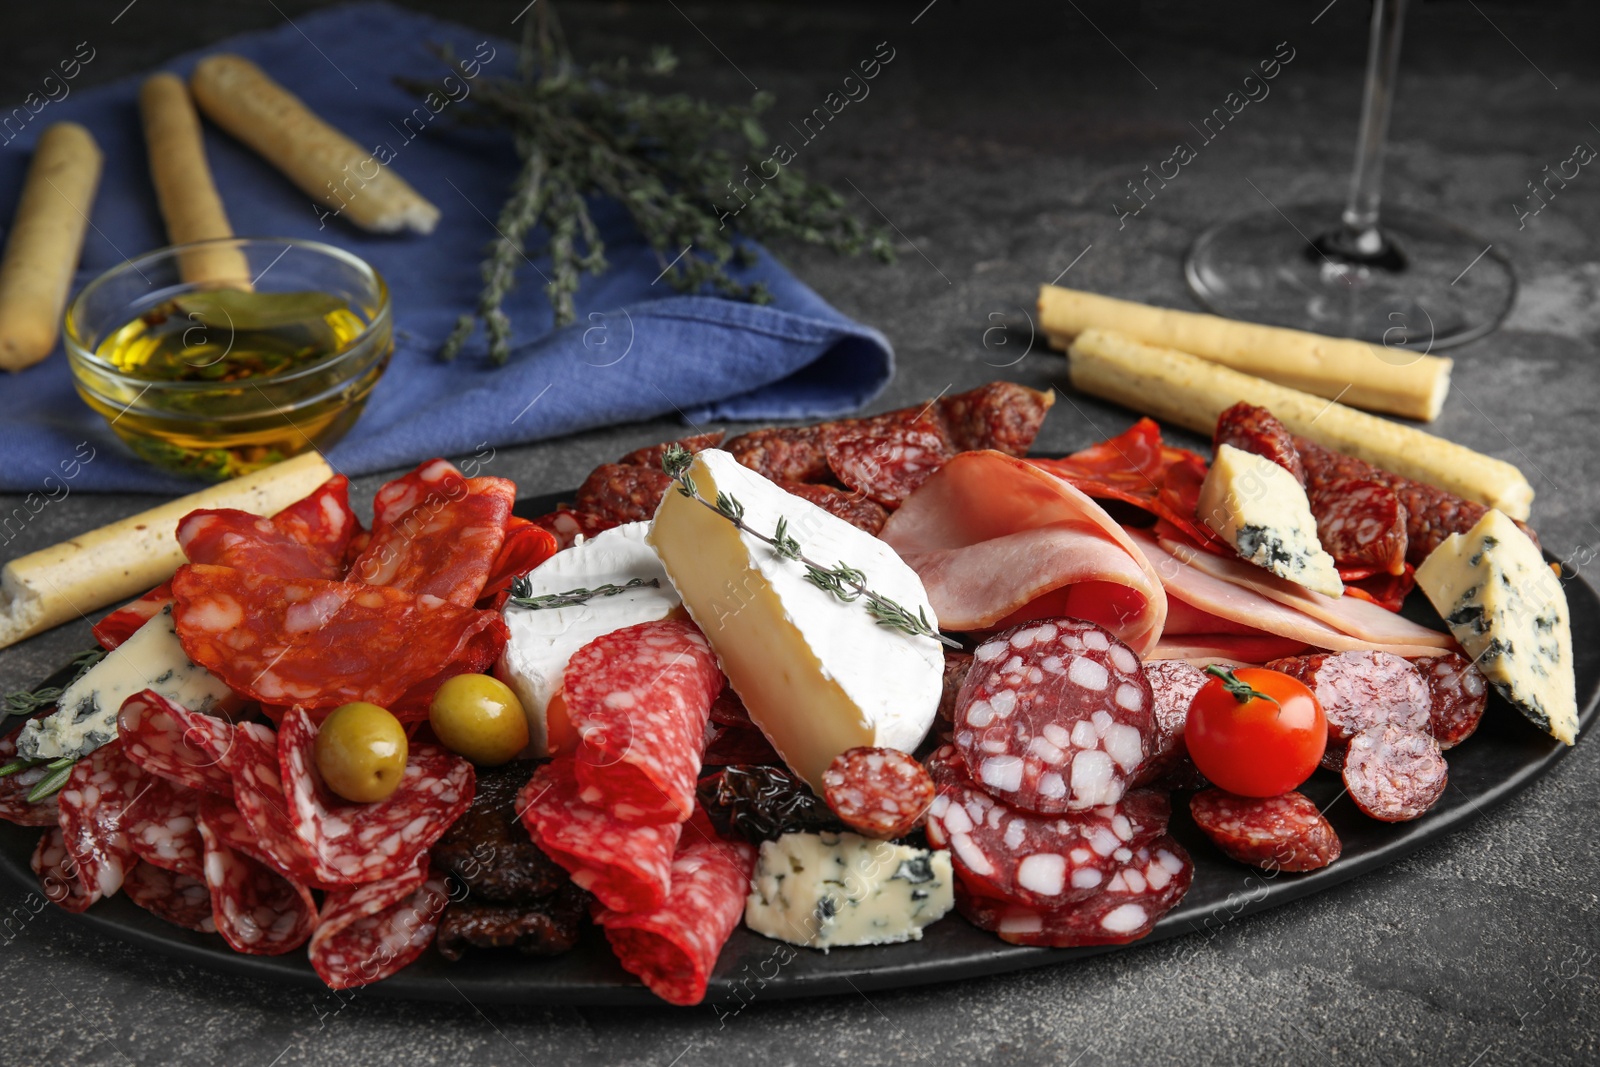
(1188, 579)
(997, 541)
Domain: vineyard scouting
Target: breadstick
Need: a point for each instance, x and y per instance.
(189, 202)
(1176, 387)
(122, 560)
(46, 239)
(1392, 380)
(238, 96)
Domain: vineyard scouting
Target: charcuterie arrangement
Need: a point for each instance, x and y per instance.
(830, 682)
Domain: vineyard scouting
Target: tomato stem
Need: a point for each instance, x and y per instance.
(1240, 690)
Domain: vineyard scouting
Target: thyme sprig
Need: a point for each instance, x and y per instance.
(27, 702)
(522, 593)
(669, 159)
(845, 582)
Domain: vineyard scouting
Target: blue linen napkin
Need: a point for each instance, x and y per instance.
(638, 350)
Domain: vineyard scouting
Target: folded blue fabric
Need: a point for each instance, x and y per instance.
(638, 349)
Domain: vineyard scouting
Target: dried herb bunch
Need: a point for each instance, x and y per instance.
(680, 165)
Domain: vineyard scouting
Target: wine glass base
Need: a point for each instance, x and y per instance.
(1445, 287)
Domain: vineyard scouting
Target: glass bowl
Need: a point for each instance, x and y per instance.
(217, 378)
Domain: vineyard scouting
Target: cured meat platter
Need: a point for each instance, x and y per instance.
(1503, 758)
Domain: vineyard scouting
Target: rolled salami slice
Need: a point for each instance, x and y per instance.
(162, 828)
(15, 807)
(627, 867)
(886, 464)
(370, 932)
(879, 792)
(1362, 689)
(322, 644)
(1043, 861)
(360, 843)
(180, 898)
(1055, 715)
(436, 533)
(1460, 694)
(1149, 885)
(307, 539)
(58, 873)
(232, 830)
(174, 743)
(255, 908)
(93, 804)
(526, 545)
(1394, 774)
(1282, 833)
(1173, 685)
(638, 699)
(673, 948)
(263, 809)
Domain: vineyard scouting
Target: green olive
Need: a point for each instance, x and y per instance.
(361, 752)
(479, 717)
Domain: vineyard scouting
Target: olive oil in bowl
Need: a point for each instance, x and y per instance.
(219, 382)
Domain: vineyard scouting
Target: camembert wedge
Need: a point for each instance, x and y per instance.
(1262, 511)
(1507, 608)
(817, 674)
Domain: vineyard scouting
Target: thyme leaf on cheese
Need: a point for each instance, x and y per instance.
(846, 583)
(28, 701)
(522, 593)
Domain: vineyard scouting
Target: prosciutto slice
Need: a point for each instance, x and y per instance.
(997, 541)
(1251, 605)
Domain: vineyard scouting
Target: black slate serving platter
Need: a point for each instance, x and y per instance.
(1503, 757)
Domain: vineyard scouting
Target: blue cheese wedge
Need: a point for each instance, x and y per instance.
(1507, 608)
(831, 890)
(543, 639)
(86, 714)
(818, 674)
(1262, 511)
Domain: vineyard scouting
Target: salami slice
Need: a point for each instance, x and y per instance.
(1394, 774)
(638, 699)
(1173, 685)
(255, 908)
(93, 803)
(616, 493)
(1150, 884)
(1003, 416)
(307, 539)
(878, 792)
(58, 873)
(956, 666)
(322, 644)
(263, 809)
(362, 843)
(1282, 833)
(15, 807)
(651, 455)
(627, 867)
(853, 508)
(123, 623)
(436, 534)
(180, 898)
(1257, 431)
(369, 933)
(526, 545)
(161, 826)
(1040, 860)
(1361, 689)
(567, 525)
(672, 948)
(888, 464)
(179, 745)
(1459, 693)
(784, 453)
(234, 831)
(1055, 715)
(1361, 524)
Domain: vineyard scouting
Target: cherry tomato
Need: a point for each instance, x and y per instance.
(1255, 732)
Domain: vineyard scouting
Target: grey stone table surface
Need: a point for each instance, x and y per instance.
(996, 145)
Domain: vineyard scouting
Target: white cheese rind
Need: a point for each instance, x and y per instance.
(86, 714)
(1506, 606)
(831, 890)
(542, 640)
(1262, 511)
(817, 673)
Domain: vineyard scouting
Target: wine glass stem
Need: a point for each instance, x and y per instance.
(1383, 61)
